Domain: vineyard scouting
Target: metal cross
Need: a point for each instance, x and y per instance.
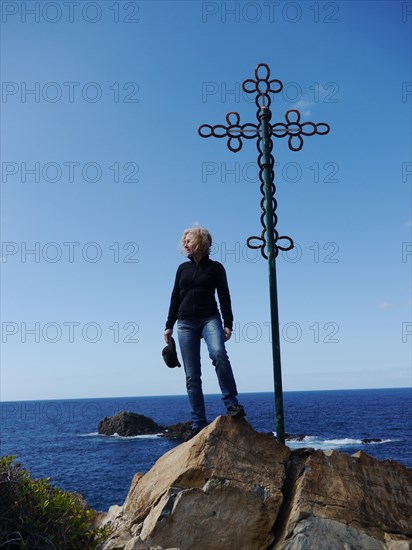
(268, 241)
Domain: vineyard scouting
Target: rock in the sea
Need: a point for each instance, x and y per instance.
(178, 431)
(231, 488)
(367, 440)
(128, 424)
(294, 437)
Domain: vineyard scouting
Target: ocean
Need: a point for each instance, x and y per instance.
(59, 440)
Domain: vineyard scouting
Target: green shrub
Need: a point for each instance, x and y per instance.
(34, 515)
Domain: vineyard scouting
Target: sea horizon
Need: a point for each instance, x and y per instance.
(208, 394)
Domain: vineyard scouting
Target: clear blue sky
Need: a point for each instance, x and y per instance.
(102, 167)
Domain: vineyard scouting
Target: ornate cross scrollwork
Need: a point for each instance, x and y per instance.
(295, 129)
(234, 131)
(263, 86)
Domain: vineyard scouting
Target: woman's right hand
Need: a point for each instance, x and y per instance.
(167, 333)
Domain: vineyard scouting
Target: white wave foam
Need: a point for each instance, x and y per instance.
(117, 436)
(330, 444)
(346, 441)
(145, 436)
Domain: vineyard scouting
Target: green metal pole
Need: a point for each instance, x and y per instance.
(264, 116)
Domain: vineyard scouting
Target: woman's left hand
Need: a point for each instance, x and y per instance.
(227, 333)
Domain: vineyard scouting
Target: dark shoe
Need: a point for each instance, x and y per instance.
(235, 410)
(192, 433)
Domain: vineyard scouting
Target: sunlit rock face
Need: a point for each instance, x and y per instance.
(232, 488)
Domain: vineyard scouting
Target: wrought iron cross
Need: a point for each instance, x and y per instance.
(268, 241)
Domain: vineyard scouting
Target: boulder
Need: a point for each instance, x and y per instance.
(128, 424)
(333, 500)
(232, 488)
(221, 489)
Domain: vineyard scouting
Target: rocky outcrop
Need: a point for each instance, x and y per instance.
(181, 430)
(128, 424)
(333, 499)
(232, 488)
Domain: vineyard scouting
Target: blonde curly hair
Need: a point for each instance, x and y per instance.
(201, 240)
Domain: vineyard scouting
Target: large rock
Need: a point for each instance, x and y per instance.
(222, 489)
(231, 488)
(335, 501)
(128, 424)
(181, 430)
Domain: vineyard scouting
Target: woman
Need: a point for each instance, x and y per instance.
(194, 307)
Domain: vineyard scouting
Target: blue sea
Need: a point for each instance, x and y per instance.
(59, 439)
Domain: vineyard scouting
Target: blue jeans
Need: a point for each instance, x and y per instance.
(190, 332)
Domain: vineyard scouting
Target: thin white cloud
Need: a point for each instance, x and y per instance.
(385, 305)
(302, 103)
(390, 305)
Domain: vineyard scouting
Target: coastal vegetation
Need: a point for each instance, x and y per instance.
(36, 515)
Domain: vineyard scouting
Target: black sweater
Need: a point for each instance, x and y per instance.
(193, 294)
